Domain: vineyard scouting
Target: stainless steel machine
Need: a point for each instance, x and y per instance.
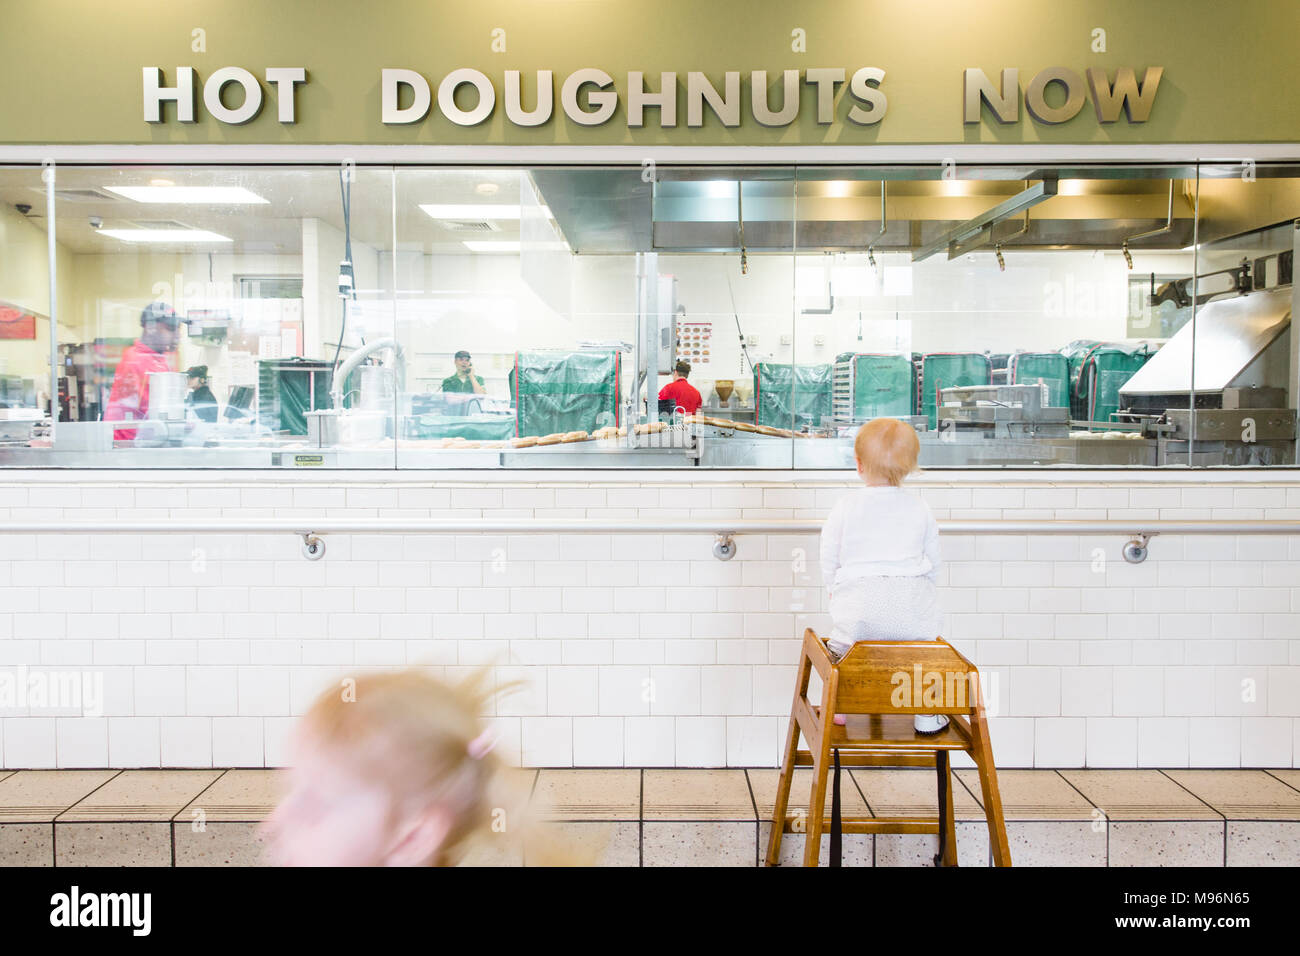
(1221, 382)
(1003, 412)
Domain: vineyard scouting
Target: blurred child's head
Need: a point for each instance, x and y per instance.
(391, 771)
(886, 450)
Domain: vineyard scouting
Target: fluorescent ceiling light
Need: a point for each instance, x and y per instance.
(505, 245)
(513, 245)
(189, 195)
(164, 235)
(477, 211)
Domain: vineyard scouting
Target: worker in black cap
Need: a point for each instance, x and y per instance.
(464, 380)
(154, 351)
(200, 397)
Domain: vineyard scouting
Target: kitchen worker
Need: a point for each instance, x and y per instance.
(200, 397)
(682, 393)
(154, 351)
(464, 380)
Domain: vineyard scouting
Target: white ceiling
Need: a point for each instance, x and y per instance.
(274, 227)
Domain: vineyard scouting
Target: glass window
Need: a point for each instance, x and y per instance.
(649, 317)
(25, 309)
(992, 308)
(217, 317)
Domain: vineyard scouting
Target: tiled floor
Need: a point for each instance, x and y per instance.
(622, 817)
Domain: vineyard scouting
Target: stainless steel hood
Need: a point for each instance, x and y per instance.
(1240, 342)
(614, 210)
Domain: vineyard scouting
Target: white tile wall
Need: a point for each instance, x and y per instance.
(639, 650)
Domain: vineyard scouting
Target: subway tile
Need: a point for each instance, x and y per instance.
(649, 741)
(1266, 742)
(1059, 742)
(134, 742)
(754, 741)
(598, 742)
(186, 741)
(700, 742)
(1111, 741)
(1163, 742)
(238, 742)
(674, 690)
(589, 651)
(1215, 741)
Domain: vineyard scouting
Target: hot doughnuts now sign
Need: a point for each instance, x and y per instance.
(590, 96)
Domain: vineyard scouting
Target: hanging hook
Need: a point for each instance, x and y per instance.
(884, 224)
(1167, 227)
(740, 225)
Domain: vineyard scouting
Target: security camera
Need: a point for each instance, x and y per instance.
(96, 222)
(23, 208)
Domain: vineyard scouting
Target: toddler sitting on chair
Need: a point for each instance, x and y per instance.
(880, 553)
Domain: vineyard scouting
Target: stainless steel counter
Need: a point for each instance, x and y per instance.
(702, 446)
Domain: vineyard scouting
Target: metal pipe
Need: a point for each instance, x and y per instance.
(1196, 268)
(740, 225)
(360, 355)
(1167, 227)
(884, 224)
(986, 220)
(52, 253)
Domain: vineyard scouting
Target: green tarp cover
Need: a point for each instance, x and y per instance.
(1097, 372)
(481, 427)
(285, 391)
(882, 385)
(949, 370)
(565, 391)
(792, 396)
(1026, 368)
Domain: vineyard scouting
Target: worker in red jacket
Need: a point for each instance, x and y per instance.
(154, 351)
(680, 392)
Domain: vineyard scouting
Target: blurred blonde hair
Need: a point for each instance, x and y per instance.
(887, 449)
(424, 741)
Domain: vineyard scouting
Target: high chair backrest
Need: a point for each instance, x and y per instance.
(906, 677)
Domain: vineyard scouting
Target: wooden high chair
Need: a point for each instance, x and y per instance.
(879, 686)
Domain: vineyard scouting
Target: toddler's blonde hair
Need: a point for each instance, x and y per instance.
(418, 737)
(887, 449)
(424, 741)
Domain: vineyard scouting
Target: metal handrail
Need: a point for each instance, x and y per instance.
(309, 529)
(624, 526)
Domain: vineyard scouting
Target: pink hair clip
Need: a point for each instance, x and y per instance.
(482, 744)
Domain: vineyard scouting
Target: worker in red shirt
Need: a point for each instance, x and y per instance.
(154, 351)
(680, 392)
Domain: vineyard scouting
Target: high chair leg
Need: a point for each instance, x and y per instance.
(816, 807)
(983, 756)
(819, 743)
(782, 802)
(947, 855)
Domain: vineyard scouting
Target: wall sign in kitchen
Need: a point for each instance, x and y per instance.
(694, 342)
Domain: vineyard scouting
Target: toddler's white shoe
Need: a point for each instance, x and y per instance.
(929, 723)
